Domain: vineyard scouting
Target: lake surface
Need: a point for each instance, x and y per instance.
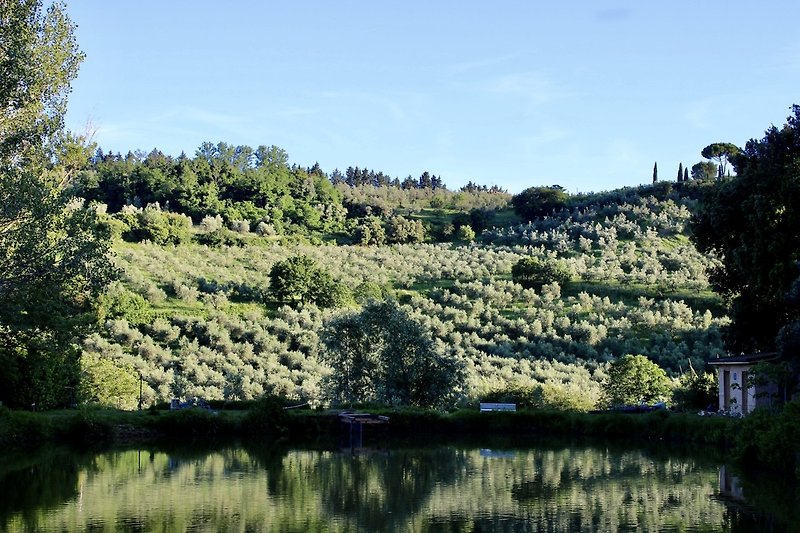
(447, 488)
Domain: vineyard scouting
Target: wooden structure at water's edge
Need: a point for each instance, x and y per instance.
(356, 421)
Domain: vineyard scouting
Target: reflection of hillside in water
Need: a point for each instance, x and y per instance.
(429, 489)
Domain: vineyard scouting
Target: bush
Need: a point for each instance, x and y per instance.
(771, 439)
(90, 426)
(194, 423)
(22, 429)
(266, 418)
(697, 391)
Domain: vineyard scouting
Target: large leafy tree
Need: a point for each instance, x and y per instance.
(384, 354)
(53, 257)
(635, 379)
(752, 222)
(537, 202)
(299, 280)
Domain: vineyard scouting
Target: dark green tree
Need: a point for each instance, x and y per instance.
(370, 232)
(680, 172)
(531, 272)
(655, 172)
(685, 174)
(53, 255)
(537, 202)
(299, 280)
(705, 170)
(751, 222)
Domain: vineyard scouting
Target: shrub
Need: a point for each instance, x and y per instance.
(266, 417)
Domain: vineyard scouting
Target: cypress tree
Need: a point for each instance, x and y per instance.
(680, 172)
(655, 172)
(686, 174)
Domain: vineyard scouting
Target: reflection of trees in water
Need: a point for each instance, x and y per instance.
(381, 492)
(264, 487)
(30, 487)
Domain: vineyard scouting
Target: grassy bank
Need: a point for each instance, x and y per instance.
(26, 429)
(769, 440)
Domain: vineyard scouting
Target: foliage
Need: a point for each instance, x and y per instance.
(634, 380)
(537, 202)
(401, 230)
(531, 272)
(750, 221)
(704, 170)
(775, 379)
(53, 252)
(771, 439)
(697, 391)
(119, 302)
(153, 224)
(465, 233)
(106, 382)
(370, 232)
(722, 153)
(266, 418)
(549, 395)
(298, 280)
(383, 354)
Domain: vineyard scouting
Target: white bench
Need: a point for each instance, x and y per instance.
(487, 407)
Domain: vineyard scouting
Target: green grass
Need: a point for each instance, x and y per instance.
(506, 217)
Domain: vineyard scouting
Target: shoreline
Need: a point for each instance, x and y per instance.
(762, 440)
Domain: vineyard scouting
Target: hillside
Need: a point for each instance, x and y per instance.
(205, 324)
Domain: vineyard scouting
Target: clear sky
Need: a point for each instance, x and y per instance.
(585, 94)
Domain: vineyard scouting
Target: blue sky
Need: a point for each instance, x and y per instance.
(578, 93)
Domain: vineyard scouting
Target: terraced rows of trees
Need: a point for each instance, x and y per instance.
(235, 270)
(202, 320)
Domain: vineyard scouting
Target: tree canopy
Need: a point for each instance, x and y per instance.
(537, 202)
(53, 255)
(704, 170)
(383, 354)
(299, 280)
(751, 222)
(531, 272)
(635, 379)
(722, 153)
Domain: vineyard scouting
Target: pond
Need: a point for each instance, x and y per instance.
(489, 486)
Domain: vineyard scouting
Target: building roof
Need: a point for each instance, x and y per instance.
(745, 359)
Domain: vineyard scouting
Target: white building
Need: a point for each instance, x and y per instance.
(737, 395)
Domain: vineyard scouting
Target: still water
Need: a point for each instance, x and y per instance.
(466, 487)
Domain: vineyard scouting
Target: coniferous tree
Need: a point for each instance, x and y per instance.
(655, 172)
(680, 172)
